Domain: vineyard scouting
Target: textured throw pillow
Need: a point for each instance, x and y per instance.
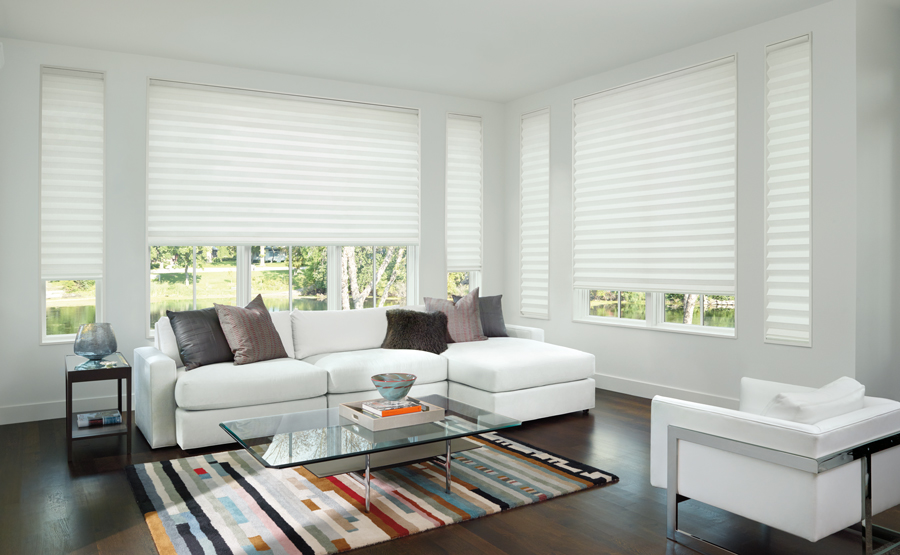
(491, 315)
(199, 337)
(250, 332)
(839, 397)
(411, 329)
(463, 318)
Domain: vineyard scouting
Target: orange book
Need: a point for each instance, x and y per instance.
(404, 410)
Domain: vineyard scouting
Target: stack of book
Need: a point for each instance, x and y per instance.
(392, 408)
(100, 418)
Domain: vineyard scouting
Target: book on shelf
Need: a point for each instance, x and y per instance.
(99, 418)
(391, 408)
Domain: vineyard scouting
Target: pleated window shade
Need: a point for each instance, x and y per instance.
(236, 167)
(654, 184)
(72, 174)
(464, 183)
(534, 215)
(788, 228)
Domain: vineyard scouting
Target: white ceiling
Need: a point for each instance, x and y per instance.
(491, 49)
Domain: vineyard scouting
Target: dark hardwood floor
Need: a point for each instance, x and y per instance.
(49, 506)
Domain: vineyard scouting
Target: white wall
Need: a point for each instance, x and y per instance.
(32, 382)
(878, 179)
(645, 362)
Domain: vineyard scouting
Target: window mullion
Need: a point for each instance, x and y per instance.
(194, 276)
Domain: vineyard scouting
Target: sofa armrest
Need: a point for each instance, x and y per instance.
(154, 391)
(524, 332)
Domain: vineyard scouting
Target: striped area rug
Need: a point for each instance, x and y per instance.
(229, 503)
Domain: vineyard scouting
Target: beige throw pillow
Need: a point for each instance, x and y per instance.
(463, 317)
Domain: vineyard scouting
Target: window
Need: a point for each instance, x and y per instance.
(464, 194)
(679, 312)
(694, 309)
(288, 181)
(462, 283)
(190, 278)
(788, 245)
(72, 196)
(534, 215)
(373, 277)
(654, 188)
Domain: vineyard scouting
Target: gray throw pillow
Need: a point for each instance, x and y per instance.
(411, 329)
(491, 315)
(199, 337)
(250, 332)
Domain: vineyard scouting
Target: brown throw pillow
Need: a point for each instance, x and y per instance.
(463, 318)
(411, 329)
(250, 332)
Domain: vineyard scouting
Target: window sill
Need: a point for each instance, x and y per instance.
(728, 333)
(58, 340)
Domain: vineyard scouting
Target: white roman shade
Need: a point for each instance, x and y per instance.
(654, 184)
(788, 193)
(237, 167)
(72, 190)
(534, 214)
(464, 171)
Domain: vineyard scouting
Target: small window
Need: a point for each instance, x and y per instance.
(373, 276)
(457, 284)
(694, 309)
(69, 304)
(176, 286)
(271, 277)
(309, 278)
(618, 304)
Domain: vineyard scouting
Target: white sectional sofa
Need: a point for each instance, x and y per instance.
(332, 356)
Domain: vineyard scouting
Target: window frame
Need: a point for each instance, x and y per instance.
(654, 320)
(99, 282)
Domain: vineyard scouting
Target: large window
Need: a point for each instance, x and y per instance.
(654, 188)
(71, 201)
(788, 244)
(290, 182)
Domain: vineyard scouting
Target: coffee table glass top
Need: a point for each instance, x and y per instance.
(321, 435)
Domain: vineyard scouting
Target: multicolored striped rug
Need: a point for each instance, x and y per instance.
(229, 503)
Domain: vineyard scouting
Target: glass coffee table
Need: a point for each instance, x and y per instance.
(326, 443)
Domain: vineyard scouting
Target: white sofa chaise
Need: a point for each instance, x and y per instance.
(332, 356)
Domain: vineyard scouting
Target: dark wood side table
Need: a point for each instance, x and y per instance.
(112, 367)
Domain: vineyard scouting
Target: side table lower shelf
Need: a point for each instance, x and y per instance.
(97, 431)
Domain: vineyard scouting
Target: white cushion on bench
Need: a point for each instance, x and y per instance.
(353, 370)
(333, 331)
(224, 385)
(508, 363)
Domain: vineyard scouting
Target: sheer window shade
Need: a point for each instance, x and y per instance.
(534, 218)
(788, 192)
(72, 174)
(654, 184)
(464, 182)
(239, 167)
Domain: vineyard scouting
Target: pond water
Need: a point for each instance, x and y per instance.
(275, 304)
(715, 317)
(62, 320)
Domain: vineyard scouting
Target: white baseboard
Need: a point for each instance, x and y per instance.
(14, 414)
(648, 390)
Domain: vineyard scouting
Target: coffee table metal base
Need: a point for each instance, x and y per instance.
(392, 458)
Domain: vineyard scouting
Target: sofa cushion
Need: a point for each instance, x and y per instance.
(491, 310)
(463, 318)
(508, 364)
(282, 321)
(411, 329)
(332, 331)
(809, 407)
(224, 385)
(250, 332)
(200, 337)
(353, 370)
(164, 340)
